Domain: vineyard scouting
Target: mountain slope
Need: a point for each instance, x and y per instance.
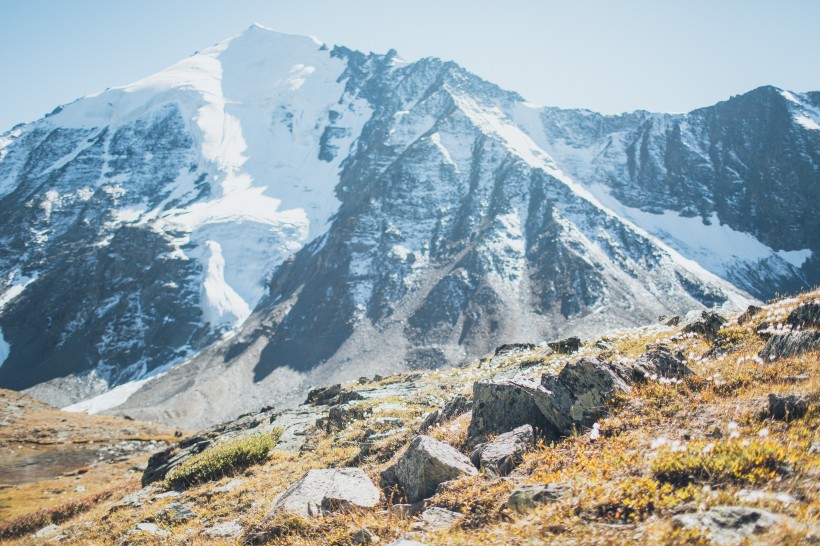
(271, 214)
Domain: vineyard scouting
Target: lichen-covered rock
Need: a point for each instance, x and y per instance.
(504, 452)
(426, 464)
(806, 315)
(661, 362)
(529, 496)
(790, 344)
(328, 490)
(729, 524)
(578, 395)
(786, 407)
(501, 406)
(707, 325)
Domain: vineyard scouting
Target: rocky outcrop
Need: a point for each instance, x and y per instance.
(328, 490)
(661, 362)
(425, 465)
(729, 524)
(501, 406)
(707, 325)
(578, 395)
(748, 314)
(786, 407)
(502, 454)
(565, 346)
(806, 315)
(790, 344)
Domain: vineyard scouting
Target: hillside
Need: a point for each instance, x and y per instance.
(690, 430)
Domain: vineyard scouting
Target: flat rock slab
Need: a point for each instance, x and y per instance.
(426, 464)
(176, 513)
(152, 529)
(504, 452)
(529, 496)
(406, 542)
(436, 519)
(328, 490)
(228, 529)
(729, 524)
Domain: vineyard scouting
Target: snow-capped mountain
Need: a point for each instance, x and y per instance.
(271, 214)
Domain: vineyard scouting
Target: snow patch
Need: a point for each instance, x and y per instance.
(5, 348)
(714, 245)
(221, 304)
(107, 400)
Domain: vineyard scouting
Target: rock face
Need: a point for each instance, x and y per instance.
(425, 465)
(411, 198)
(790, 344)
(729, 524)
(501, 406)
(578, 395)
(328, 490)
(504, 452)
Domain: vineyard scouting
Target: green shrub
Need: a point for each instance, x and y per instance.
(223, 459)
(752, 461)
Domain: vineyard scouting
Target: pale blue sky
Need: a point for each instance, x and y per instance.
(610, 56)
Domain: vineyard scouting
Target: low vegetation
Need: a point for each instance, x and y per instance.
(667, 447)
(224, 459)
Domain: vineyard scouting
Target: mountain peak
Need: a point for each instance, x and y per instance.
(260, 32)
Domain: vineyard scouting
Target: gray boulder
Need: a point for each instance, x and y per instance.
(328, 490)
(790, 344)
(729, 524)
(578, 395)
(806, 315)
(661, 362)
(529, 496)
(786, 407)
(707, 325)
(505, 452)
(426, 464)
(501, 406)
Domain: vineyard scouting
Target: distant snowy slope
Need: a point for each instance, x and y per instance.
(271, 214)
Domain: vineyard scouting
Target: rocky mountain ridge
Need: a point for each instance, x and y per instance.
(272, 214)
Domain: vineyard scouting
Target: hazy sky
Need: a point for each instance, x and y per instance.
(610, 56)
